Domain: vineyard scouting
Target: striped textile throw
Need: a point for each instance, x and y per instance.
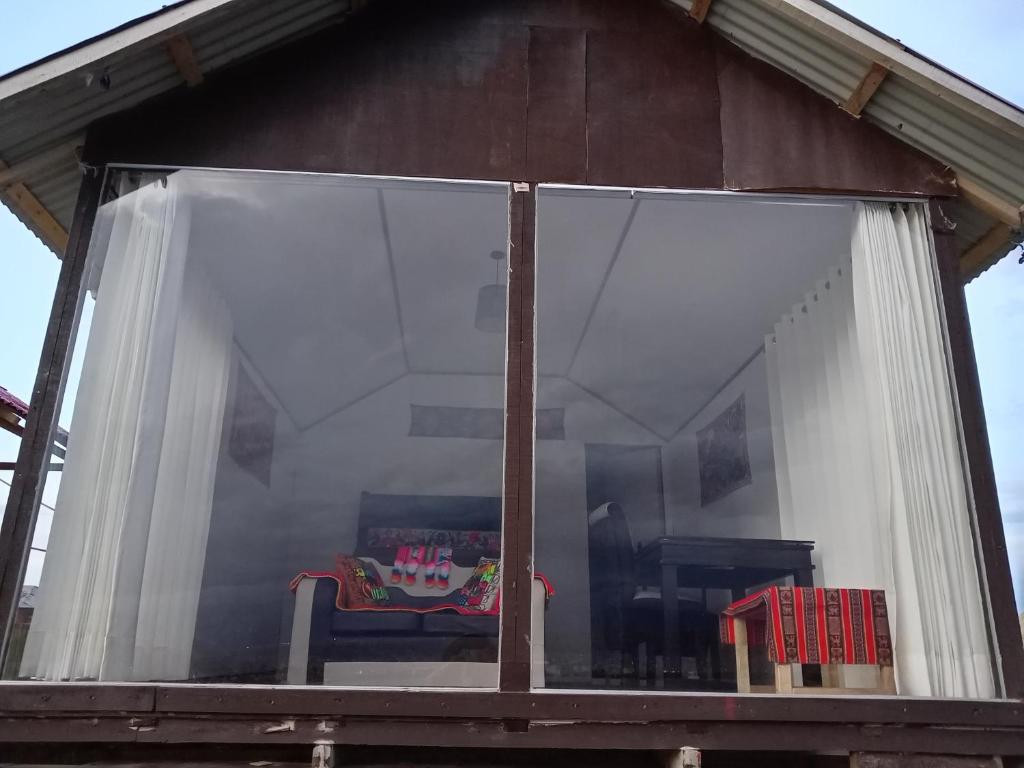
(814, 625)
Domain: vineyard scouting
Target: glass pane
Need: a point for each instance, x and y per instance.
(759, 481)
(995, 300)
(284, 430)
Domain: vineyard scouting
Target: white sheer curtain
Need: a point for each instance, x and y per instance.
(867, 456)
(120, 584)
(820, 439)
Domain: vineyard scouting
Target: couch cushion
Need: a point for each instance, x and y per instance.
(454, 624)
(374, 622)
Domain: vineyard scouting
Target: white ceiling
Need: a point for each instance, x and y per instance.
(304, 266)
(696, 285)
(339, 286)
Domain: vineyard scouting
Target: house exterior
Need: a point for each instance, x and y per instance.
(331, 483)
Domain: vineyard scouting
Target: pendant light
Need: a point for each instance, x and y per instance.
(490, 301)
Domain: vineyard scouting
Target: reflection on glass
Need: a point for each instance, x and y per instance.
(759, 485)
(285, 451)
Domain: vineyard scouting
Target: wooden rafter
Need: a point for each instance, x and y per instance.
(977, 257)
(48, 228)
(699, 10)
(180, 50)
(866, 89)
(13, 173)
(996, 207)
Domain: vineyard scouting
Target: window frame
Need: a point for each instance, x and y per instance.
(593, 719)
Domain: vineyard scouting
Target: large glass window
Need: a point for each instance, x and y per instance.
(759, 484)
(284, 437)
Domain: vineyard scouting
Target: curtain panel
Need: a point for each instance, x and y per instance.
(117, 601)
(859, 388)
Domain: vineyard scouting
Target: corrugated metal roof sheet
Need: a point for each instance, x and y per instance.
(948, 118)
(52, 112)
(991, 152)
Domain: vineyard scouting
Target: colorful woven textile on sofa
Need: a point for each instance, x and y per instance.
(805, 625)
(361, 589)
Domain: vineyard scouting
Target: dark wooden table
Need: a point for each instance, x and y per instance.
(716, 563)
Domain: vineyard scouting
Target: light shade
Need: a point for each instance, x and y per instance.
(490, 308)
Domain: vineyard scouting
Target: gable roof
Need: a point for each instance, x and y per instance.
(46, 106)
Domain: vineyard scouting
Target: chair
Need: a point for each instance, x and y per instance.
(625, 615)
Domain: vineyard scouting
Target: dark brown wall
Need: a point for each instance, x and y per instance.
(609, 92)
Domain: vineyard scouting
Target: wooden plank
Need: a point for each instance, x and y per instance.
(978, 256)
(990, 203)
(523, 596)
(513, 676)
(451, 100)
(490, 734)
(428, 92)
(180, 50)
(34, 698)
(874, 760)
(653, 108)
(866, 89)
(269, 701)
(556, 124)
(699, 10)
(778, 134)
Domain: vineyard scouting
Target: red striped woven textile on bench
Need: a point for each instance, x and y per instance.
(805, 625)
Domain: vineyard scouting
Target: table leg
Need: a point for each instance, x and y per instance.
(670, 606)
(742, 656)
(809, 673)
(783, 678)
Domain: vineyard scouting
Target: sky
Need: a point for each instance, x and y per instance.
(979, 40)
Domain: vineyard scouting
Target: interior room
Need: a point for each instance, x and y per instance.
(302, 477)
(340, 359)
(653, 315)
(753, 399)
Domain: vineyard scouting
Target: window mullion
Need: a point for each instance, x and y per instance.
(517, 571)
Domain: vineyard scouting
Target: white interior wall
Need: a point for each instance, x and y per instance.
(751, 511)
(367, 447)
(560, 517)
(239, 618)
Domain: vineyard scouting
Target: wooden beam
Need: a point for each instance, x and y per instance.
(866, 89)
(869, 760)
(48, 228)
(699, 10)
(990, 203)
(184, 58)
(978, 256)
